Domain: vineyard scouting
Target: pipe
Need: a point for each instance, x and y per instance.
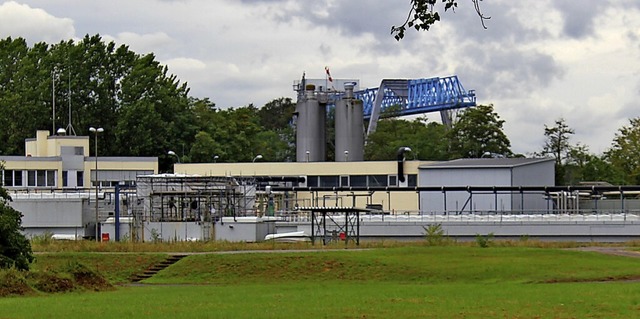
(400, 157)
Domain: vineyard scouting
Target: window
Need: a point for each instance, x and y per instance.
(17, 178)
(65, 175)
(41, 178)
(80, 179)
(393, 180)
(344, 181)
(78, 150)
(329, 181)
(312, 181)
(8, 178)
(31, 178)
(51, 178)
(377, 180)
(412, 180)
(358, 180)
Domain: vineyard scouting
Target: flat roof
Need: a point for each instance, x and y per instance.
(485, 163)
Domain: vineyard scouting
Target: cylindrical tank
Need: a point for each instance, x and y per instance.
(349, 128)
(310, 128)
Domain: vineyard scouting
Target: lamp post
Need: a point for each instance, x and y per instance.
(259, 156)
(172, 153)
(346, 156)
(96, 131)
(215, 158)
(307, 152)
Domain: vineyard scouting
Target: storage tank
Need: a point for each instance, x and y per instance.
(349, 130)
(310, 127)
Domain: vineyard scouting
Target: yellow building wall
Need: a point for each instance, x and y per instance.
(393, 202)
(49, 148)
(46, 146)
(296, 168)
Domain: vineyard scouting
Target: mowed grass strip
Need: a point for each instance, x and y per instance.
(346, 299)
(405, 264)
(406, 282)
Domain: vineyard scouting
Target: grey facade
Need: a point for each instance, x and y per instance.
(511, 172)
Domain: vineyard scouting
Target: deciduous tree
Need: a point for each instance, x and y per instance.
(625, 151)
(15, 248)
(479, 131)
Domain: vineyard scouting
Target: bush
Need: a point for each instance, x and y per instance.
(434, 234)
(15, 249)
(484, 241)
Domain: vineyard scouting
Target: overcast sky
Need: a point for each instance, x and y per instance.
(538, 61)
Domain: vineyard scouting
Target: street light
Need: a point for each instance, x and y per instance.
(215, 158)
(257, 158)
(346, 156)
(96, 131)
(172, 153)
(307, 152)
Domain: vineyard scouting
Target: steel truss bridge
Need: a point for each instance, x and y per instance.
(415, 96)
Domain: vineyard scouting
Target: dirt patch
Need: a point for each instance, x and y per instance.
(91, 280)
(13, 283)
(50, 282)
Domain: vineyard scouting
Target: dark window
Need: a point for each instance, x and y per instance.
(65, 176)
(51, 178)
(312, 181)
(344, 181)
(393, 180)
(78, 150)
(377, 180)
(31, 178)
(329, 181)
(17, 178)
(80, 179)
(412, 180)
(42, 177)
(8, 178)
(358, 180)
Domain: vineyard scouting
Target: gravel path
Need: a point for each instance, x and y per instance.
(617, 251)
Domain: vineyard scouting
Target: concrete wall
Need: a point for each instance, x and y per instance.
(54, 215)
(249, 229)
(171, 231)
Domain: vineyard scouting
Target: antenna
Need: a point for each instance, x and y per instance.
(53, 98)
(70, 129)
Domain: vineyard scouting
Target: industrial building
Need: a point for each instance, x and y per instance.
(62, 190)
(55, 183)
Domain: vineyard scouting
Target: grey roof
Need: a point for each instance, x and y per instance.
(17, 158)
(121, 159)
(486, 163)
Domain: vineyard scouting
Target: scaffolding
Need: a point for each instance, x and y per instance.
(204, 200)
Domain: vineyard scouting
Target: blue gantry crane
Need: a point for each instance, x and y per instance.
(415, 96)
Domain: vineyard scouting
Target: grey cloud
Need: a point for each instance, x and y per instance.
(505, 73)
(579, 16)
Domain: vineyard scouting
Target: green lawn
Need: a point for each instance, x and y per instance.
(406, 282)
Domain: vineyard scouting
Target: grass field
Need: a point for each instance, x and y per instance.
(400, 282)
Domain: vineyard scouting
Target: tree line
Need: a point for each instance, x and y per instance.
(146, 111)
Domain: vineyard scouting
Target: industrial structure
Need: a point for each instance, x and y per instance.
(62, 190)
(352, 107)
